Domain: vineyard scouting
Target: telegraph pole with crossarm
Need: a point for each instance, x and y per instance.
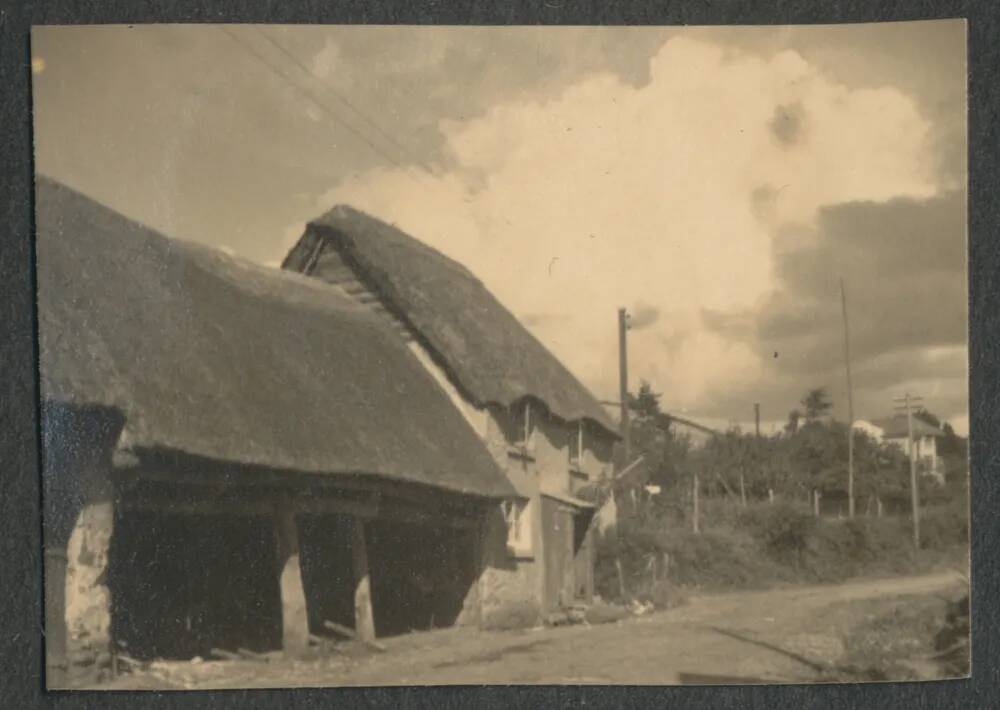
(908, 403)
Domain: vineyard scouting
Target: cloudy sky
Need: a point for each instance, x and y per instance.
(718, 182)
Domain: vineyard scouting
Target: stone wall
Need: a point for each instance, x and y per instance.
(78, 524)
(88, 601)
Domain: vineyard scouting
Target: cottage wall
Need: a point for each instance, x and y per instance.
(596, 461)
(510, 585)
(552, 441)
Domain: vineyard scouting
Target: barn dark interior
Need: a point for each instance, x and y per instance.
(183, 584)
(420, 574)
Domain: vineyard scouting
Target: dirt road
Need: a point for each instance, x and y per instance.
(780, 635)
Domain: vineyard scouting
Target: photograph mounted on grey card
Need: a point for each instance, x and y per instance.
(502, 355)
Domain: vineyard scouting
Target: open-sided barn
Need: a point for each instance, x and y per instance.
(234, 454)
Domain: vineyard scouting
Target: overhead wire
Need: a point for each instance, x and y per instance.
(292, 57)
(247, 47)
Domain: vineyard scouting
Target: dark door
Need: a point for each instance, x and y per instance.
(557, 532)
(583, 562)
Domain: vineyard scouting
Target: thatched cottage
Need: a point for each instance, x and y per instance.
(234, 455)
(545, 430)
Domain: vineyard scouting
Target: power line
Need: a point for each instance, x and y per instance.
(309, 95)
(343, 99)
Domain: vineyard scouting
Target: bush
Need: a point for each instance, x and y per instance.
(946, 525)
(951, 642)
(784, 528)
(763, 544)
(721, 558)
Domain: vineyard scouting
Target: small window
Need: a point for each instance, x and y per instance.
(517, 515)
(524, 443)
(576, 450)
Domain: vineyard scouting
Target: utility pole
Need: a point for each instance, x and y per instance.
(908, 404)
(756, 453)
(623, 326)
(850, 405)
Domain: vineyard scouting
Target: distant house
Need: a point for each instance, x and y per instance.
(235, 455)
(895, 430)
(548, 434)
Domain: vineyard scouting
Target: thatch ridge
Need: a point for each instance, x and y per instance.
(217, 357)
(487, 352)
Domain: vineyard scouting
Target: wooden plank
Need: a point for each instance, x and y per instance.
(364, 618)
(349, 633)
(294, 616)
(313, 484)
(360, 508)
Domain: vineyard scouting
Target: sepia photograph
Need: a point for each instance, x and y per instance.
(379, 355)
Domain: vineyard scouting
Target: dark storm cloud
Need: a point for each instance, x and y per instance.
(903, 263)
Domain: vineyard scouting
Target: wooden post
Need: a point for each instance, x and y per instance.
(621, 579)
(770, 495)
(815, 502)
(694, 496)
(914, 494)
(743, 490)
(623, 385)
(908, 403)
(294, 616)
(364, 618)
(850, 405)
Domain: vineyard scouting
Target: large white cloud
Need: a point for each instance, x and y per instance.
(662, 196)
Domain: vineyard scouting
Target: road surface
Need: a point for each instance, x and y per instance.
(782, 635)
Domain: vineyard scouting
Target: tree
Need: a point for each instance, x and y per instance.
(645, 404)
(817, 404)
(792, 426)
(818, 453)
(928, 417)
(665, 455)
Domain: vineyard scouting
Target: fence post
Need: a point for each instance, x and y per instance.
(697, 527)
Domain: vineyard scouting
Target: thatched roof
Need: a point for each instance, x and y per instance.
(216, 357)
(488, 353)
